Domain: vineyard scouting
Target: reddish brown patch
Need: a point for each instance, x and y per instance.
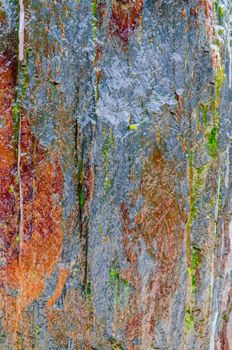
(72, 322)
(126, 15)
(180, 104)
(98, 53)
(101, 12)
(8, 200)
(41, 182)
(194, 12)
(88, 185)
(225, 337)
(42, 245)
(160, 223)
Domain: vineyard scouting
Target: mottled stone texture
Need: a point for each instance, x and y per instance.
(115, 175)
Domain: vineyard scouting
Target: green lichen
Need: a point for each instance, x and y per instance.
(21, 89)
(94, 20)
(37, 336)
(89, 291)
(133, 127)
(109, 143)
(196, 260)
(204, 110)
(210, 116)
(192, 271)
(212, 143)
(119, 284)
(114, 280)
(189, 319)
(221, 11)
(196, 186)
(219, 81)
(11, 189)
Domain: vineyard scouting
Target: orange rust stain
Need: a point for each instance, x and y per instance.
(42, 184)
(126, 15)
(8, 208)
(161, 224)
(42, 246)
(163, 211)
(62, 278)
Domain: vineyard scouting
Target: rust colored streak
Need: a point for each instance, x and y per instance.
(179, 99)
(128, 244)
(8, 207)
(160, 219)
(126, 15)
(160, 223)
(42, 251)
(88, 184)
(224, 342)
(132, 315)
(209, 15)
(62, 278)
(42, 184)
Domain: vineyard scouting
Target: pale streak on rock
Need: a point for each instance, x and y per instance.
(21, 31)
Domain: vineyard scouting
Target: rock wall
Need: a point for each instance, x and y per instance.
(115, 174)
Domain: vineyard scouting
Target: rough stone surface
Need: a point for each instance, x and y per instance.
(115, 175)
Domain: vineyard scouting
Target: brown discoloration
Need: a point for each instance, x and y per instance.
(132, 315)
(163, 211)
(41, 253)
(88, 184)
(72, 322)
(42, 183)
(126, 230)
(194, 12)
(225, 336)
(98, 54)
(224, 342)
(126, 15)
(8, 185)
(161, 224)
(180, 104)
(101, 12)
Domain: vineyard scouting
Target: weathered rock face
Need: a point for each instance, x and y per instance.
(115, 174)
